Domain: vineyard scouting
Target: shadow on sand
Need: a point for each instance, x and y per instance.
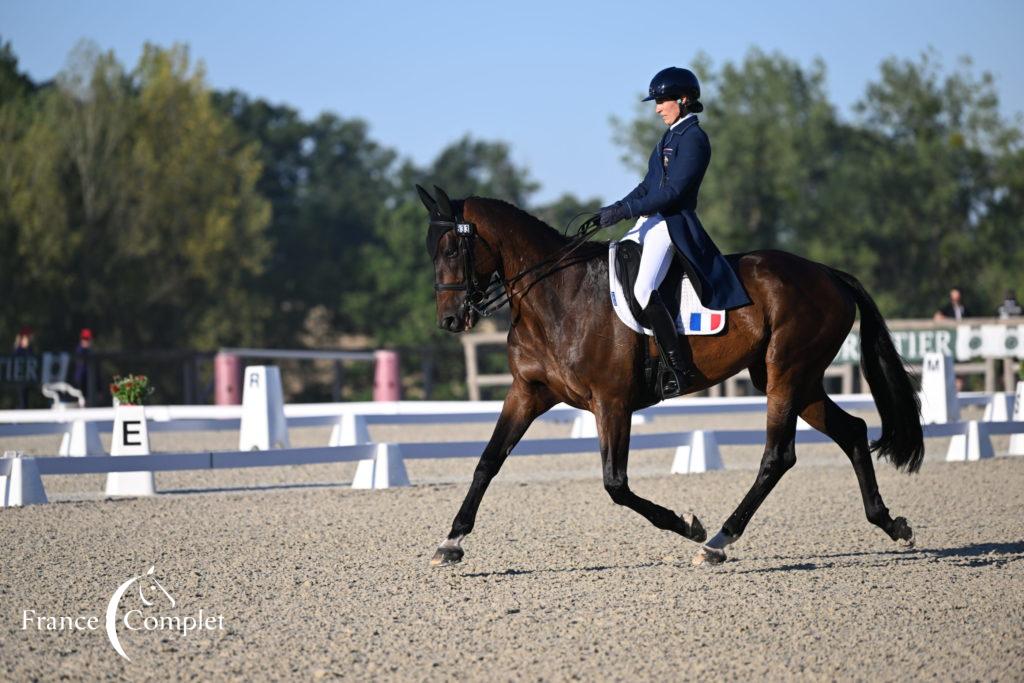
(243, 488)
(975, 555)
(562, 570)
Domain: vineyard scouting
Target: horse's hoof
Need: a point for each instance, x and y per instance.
(446, 556)
(902, 533)
(694, 529)
(708, 555)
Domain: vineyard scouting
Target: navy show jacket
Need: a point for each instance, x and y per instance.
(674, 173)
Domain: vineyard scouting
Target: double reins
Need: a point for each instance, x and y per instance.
(487, 300)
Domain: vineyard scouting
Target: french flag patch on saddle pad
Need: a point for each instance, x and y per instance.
(693, 318)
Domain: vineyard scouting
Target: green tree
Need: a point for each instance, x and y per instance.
(568, 207)
(132, 208)
(475, 167)
(199, 224)
(17, 106)
(328, 183)
(928, 188)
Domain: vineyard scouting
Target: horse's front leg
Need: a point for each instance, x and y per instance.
(524, 403)
(613, 425)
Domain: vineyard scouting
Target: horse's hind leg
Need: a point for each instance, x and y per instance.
(851, 433)
(613, 425)
(779, 456)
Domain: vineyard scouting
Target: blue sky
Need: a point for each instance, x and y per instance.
(543, 76)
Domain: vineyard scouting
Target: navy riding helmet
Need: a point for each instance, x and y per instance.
(674, 82)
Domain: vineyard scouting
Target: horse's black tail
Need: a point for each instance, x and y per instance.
(892, 385)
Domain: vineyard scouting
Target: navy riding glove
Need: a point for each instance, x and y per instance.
(610, 215)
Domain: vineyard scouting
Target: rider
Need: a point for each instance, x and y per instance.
(664, 204)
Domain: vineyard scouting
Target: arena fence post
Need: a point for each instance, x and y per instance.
(973, 444)
(386, 385)
(83, 438)
(1017, 440)
(999, 408)
(701, 455)
(385, 470)
(350, 430)
(227, 376)
(20, 483)
(584, 426)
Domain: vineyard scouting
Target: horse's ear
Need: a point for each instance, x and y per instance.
(427, 200)
(444, 203)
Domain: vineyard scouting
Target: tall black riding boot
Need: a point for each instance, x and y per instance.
(676, 378)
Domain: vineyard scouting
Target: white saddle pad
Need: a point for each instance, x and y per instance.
(691, 319)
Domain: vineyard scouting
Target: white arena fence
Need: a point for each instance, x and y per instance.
(382, 465)
(228, 418)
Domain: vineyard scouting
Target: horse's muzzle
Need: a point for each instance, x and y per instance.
(451, 324)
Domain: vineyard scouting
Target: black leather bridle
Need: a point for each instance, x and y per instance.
(485, 300)
(479, 297)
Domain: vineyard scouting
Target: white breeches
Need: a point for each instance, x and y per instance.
(652, 233)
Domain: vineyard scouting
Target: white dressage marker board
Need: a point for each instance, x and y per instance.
(130, 437)
(263, 424)
(939, 402)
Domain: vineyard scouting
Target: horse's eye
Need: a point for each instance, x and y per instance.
(451, 251)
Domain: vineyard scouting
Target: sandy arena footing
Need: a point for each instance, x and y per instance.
(314, 580)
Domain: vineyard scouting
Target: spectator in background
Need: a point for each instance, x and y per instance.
(23, 347)
(955, 309)
(1010, 307)
(23, 341)
(80, 376)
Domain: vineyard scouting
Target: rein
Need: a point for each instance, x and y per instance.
(486, 301)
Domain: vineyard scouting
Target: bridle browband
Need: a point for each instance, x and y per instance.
(487, 300)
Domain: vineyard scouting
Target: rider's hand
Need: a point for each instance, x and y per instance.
(610, 215)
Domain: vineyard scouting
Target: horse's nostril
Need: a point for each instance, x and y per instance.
(448, 323)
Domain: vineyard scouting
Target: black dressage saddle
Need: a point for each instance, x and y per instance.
(627, 265)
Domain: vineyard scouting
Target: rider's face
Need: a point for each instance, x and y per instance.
(668, 110)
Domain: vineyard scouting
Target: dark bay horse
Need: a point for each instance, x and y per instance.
(567, 345)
